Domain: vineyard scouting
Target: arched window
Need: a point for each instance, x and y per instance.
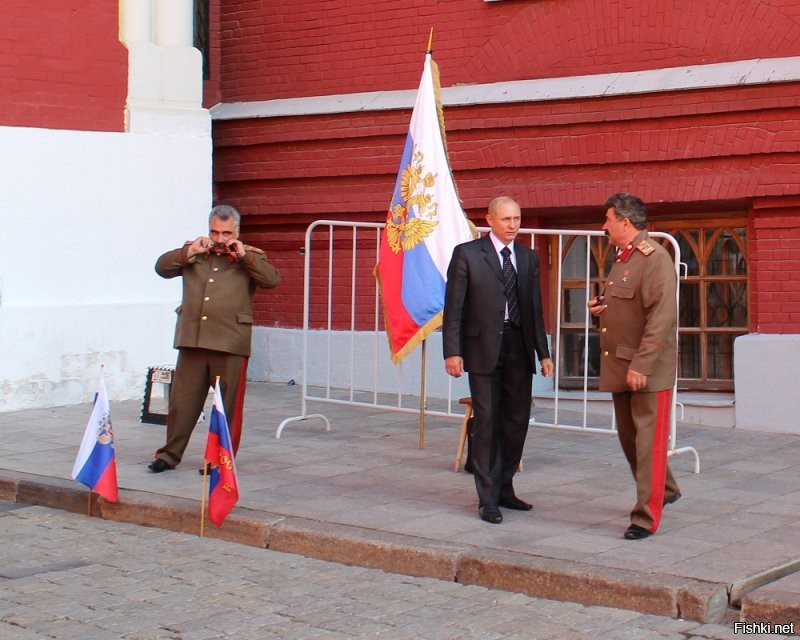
(713, 301)
(713, 308)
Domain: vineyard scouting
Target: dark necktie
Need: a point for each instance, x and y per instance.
(510, 280)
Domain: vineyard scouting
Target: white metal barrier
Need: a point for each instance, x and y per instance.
(345, 353)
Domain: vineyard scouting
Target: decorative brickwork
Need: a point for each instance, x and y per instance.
(307, 48)
(709, 151)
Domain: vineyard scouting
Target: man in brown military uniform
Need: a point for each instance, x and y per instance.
(212, 335)
(638, 325)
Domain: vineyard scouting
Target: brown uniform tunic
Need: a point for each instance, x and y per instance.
(638, 331)
(212, 335)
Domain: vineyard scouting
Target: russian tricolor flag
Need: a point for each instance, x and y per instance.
(424, 223)
(223, 492)
(96, 464)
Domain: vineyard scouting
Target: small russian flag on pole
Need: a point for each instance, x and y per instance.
(96, 464)
(223, 491)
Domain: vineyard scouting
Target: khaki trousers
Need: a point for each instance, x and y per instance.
(196, 371)
(643, 421)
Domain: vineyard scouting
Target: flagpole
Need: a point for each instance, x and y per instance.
(424, 341)
(422, 397)
(89, 494)
(203, 499)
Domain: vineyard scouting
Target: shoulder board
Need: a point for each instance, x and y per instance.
(247, 247)
(645, 247)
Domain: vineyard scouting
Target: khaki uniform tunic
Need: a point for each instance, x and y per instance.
(216, 311)
(212, 335)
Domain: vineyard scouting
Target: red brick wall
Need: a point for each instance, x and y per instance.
(683, 152)
(304, 48)
(694, 152)
(283, 306)
(775, 267)
(61, 65)
(549, 155)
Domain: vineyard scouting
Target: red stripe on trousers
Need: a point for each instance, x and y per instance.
(659, 461)
(235, 425)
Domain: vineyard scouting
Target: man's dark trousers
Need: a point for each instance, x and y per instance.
(505, 393)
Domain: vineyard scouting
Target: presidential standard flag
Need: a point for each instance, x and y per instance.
(223, 491)
(96, 464)
(424, 223)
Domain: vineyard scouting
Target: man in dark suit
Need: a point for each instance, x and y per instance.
(494, 329)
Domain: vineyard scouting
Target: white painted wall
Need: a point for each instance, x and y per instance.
(359, 360)
(765, 397)
(765, 376)
(85, 215)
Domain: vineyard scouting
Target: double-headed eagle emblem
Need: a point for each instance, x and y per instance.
(403, 233)
(105, 435)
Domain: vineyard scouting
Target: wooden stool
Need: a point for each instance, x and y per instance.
(462, 438)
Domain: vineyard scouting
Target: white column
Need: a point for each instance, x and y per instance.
(181, 63)
(165, 71)
(174, 23)
(136, 21)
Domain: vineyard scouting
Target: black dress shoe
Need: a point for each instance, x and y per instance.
(635, 532)
(490, 513)
(158, 465)
(513, 502)
(205, 469)
(672, 499)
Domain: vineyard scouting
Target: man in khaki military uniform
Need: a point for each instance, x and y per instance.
(212, 335)
(638, 318)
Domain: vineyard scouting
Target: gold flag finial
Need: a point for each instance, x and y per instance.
(430, 41)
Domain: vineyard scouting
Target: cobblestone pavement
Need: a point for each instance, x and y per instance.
(69, 576)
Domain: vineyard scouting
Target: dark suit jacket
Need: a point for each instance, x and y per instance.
(474, 307)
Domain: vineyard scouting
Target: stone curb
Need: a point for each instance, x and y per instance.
(180, 515)
(535, 576)
(368, 548)
(778, 607)
(657, 594)
(777, 602)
